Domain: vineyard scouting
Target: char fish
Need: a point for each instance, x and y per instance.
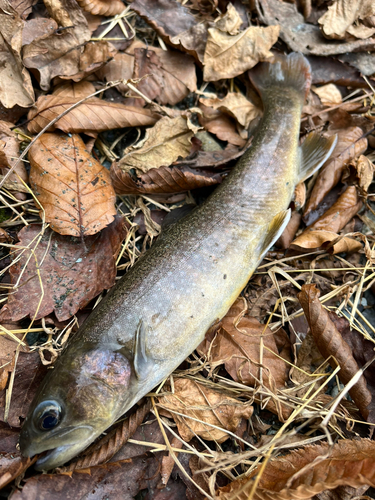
(159, 311)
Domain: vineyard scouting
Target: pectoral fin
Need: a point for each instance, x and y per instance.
(141, 360)
(314, 152)
(275, 229)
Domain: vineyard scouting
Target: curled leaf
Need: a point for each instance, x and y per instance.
(341, 15)
(74, 189)
(207, 406)
(223, 126)
(334, 348)
(236, 105)
(360, 171)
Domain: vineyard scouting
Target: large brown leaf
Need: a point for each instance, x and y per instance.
(331, 345)
(74, 190)
(222, 125)
(15, 82)
(238, 344)
(70, 276)
(208, 406)
(90, 117)
(350, 144)
(304, 473)
(342, 19)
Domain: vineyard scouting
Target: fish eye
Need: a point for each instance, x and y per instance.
(47, 415)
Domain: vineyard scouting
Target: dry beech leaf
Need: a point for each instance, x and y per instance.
(15, 82)
(167, 140)
(227, 56)
(207, 405)
(9, 153)
(166, 76)
(102, 7)
(325, 240)
(331, 345)
(328, 94)
(342, 14)
(163, 180)
(70, 276)
(93, 116)
(223, 126)
(350, 144)
(237, 345)
(306, 472)
(74, 189)
(305, 37)
(360, 171)
(236, 105)
(175, 23)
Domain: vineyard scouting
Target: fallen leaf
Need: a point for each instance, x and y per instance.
(341, 16)
(70, 276)
(328, 94)
(12, 465)
(236, 105)
(290, 231)
(9, 153)
(8, 348)
(329, 70)
(221, 125)
(8, 438)
(334, 348)
(363, 61)
(360, 171)
(166, 76)
(175, 24)
(122, 479)
(167, 140)
(327, 240)
(102, 7)
(15, 82)
(23, 7)
(73, 188)
(29, 374)
(207, 406)
(163, 180)
(238, 343)
(306, 472)
(227, 56)
(301, 36)
(93, 116)
(350, 144)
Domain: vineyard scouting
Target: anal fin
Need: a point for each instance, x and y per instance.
(314, 152)
(275, 230)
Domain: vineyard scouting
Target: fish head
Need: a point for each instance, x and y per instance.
(77, 401)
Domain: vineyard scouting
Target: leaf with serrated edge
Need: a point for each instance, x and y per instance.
(74, 189)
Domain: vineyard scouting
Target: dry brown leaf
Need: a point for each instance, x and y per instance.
(167, 140)
(9, 153)
(306, 472)
(102, 7)
(175, 23)
(166, 76)
(305, 37)
(350, 144)
(8, 348)
(12, 465)
(227, 56)
(331, 345)
(360, 171)
(15, 82)
(70, 276)
(325, 240)
(343, 14)
(328, 94)
(207, 405)
(221, 125)
(236, 105)
(91, 117)
(237, 345)
(23, 7)
(330, 70)
(163, 180)
(73, 188)
(290, 231)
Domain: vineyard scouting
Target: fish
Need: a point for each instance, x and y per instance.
(160, 310)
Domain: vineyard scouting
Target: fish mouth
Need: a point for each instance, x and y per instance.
(50, 457)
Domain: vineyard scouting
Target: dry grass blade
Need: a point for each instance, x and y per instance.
(307, 472)
(110, 444)
(74, 189)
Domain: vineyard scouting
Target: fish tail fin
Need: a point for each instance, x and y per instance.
(291, 71)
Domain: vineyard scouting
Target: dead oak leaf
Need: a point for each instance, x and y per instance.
(207, 406)
(333, 347)
(236, 105)
(74, 189)
(227, 56)
(304, 473)
(15, 82)
(70, 276)
(93, 116)
(238, 343)
(167, 140)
